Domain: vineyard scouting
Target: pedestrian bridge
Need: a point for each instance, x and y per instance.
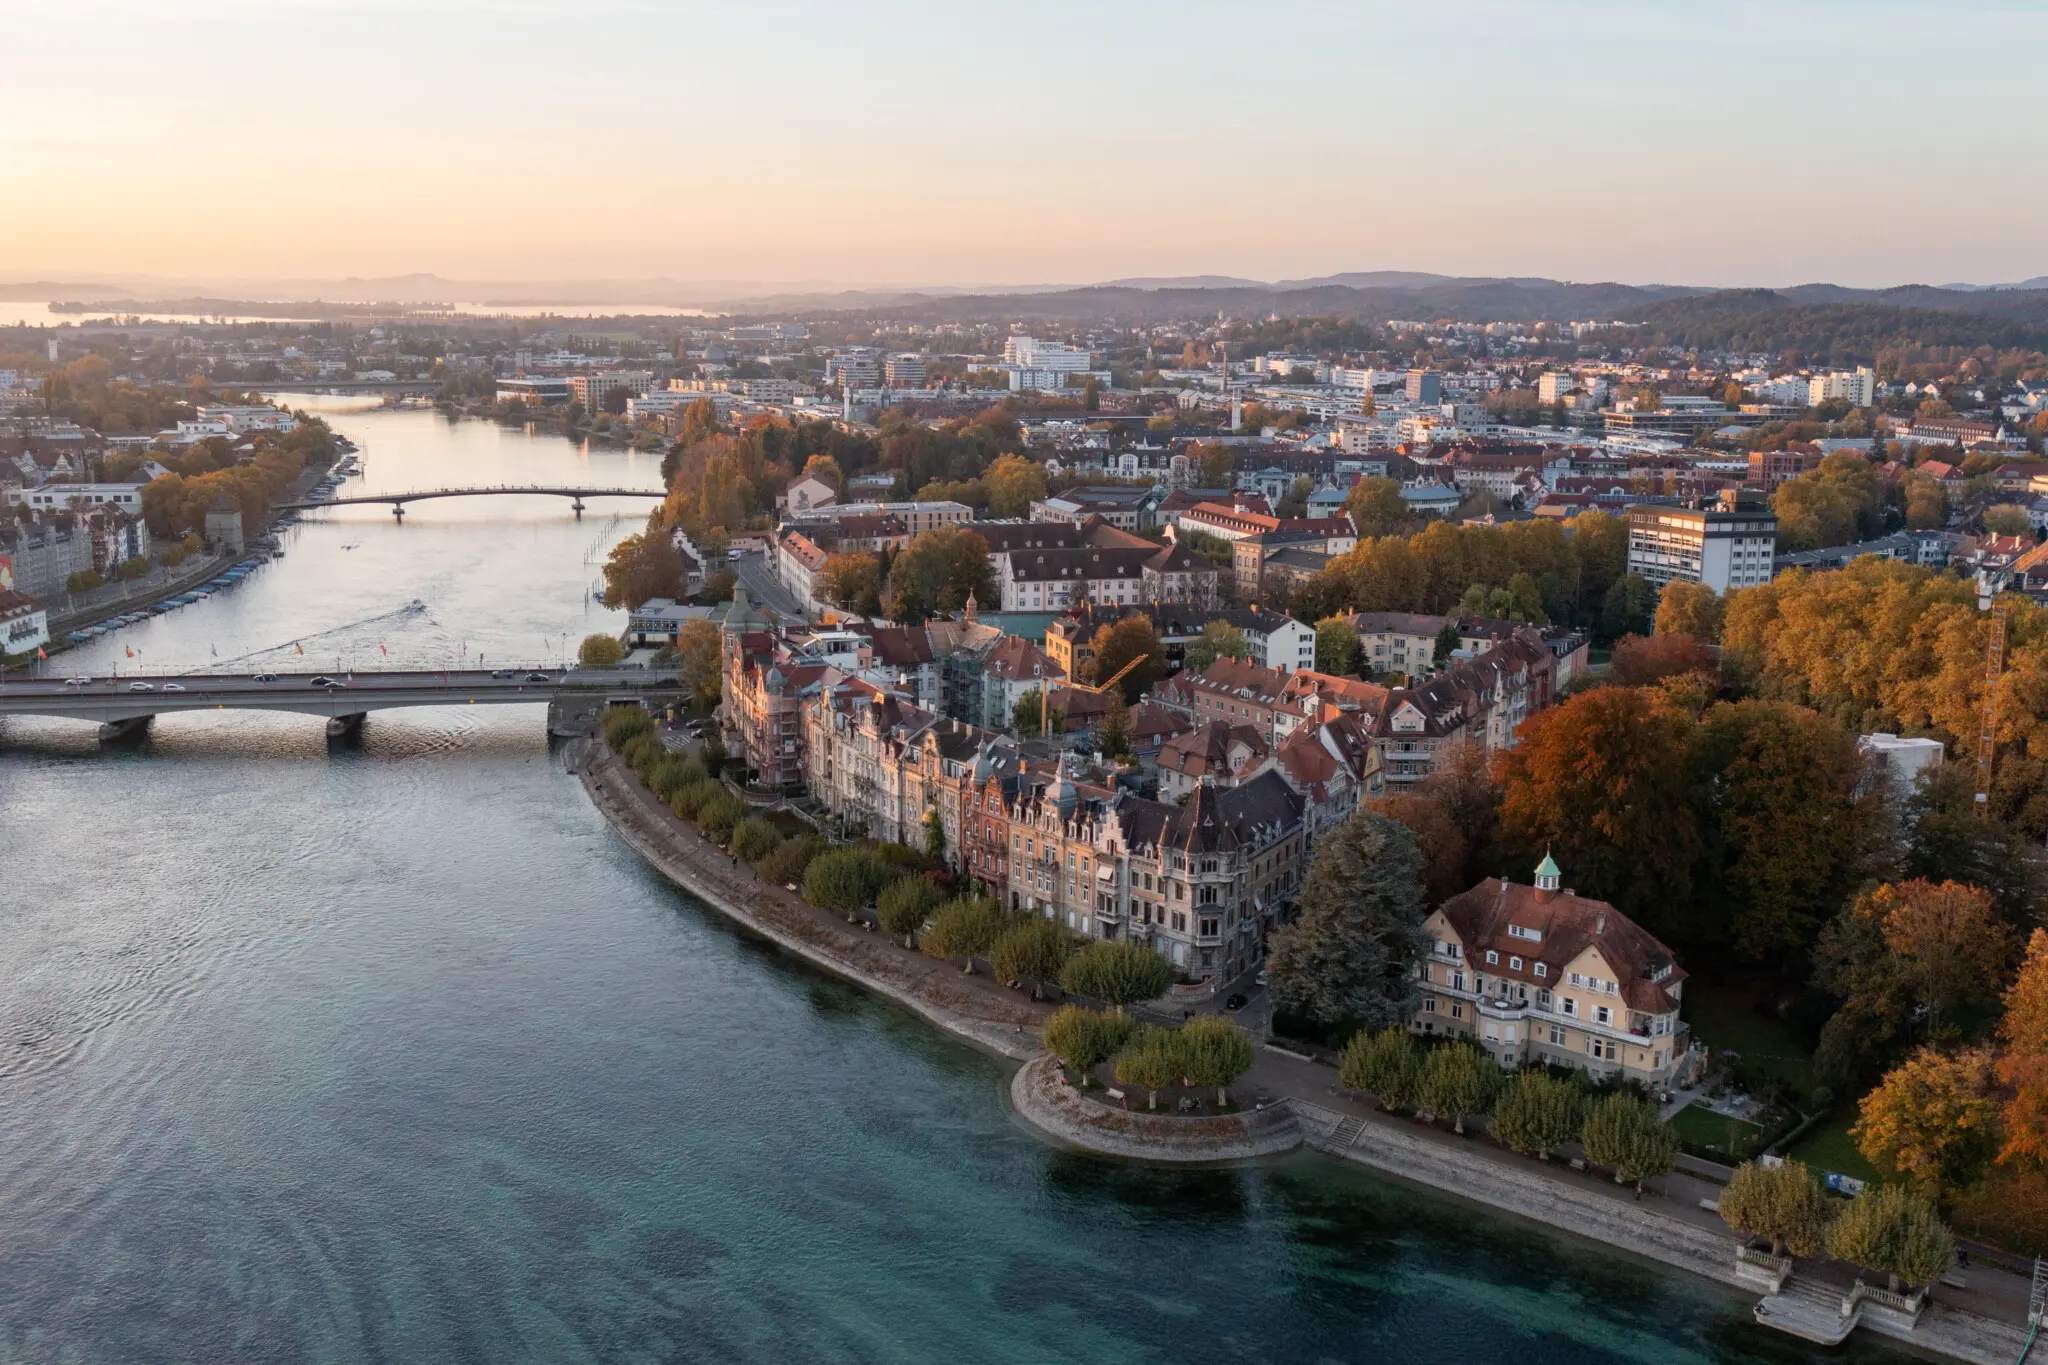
(399, 500)
(125, 704)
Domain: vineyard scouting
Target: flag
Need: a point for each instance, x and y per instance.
(382, 650)
(130, 649)
(40, 654)
(300, 648)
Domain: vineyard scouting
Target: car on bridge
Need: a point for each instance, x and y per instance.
(140, 687)
(501, 672)
(264, 677)
(78, 682)
(321, 680)
(538, 677)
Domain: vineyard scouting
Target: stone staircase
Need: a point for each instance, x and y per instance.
(1344, 1135)
(1808, 1310)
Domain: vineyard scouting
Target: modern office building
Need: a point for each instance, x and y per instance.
(1727, 545)
(1425, 387)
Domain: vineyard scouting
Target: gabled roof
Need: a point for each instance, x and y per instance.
(1568, 924)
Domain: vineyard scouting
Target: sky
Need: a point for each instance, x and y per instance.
(977, 143)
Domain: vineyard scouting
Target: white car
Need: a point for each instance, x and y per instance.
(174, 687)
(78, 682)
(140, 687)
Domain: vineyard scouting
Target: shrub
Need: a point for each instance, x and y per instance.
(1457, 1082)
(1082, 1038)
(753, 839)
(905, 904)
(1382, 1064)
(844, 879)
(1117, 973)
(1033, 951)
(786, 866)
(621, 723)
(1215, 1051)
(716, 817)
(1537, 1112)
(962, 928)
(691, 800)
(670, 775)
(600, 651)
(641, 753)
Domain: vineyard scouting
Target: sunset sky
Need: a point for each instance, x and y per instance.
(977, 143)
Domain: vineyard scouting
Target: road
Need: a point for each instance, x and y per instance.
(766, 589)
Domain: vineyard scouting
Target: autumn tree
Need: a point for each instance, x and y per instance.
(936, 575)
(1692, 609)
(1624, 1132)
(1462, 784)
(1443, 847)
(1132, 638)
(1536, 1113)
(1115, 728)
(1013, 484)
(1833, 505)
(1382, 1063)
(1377, 508)
(1336, 646)
(1458, 1082)
(852, 582)
(1952, 946)
(1600, 781)
(599, 651)
(2022, 1064)
(827, 468)
(1933, 1120)
(1639, 661)
(702, 666)
(641, 567)
(1218, 640)
(1785, 1203)
(1894, 1231)
(1351, 951)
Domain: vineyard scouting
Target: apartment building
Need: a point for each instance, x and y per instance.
(1273, 639)
(798, 559)
(905, 371)
(1769, 468)
(1223, 754)
(1858, 386)
(593, 388)
(1539, 975)
(1725, 546)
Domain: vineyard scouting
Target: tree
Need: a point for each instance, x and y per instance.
(1447, 642)
(717, 817)
(1013, 484)
(1535, 1113)
(1688, 609)
(962, 928)
(702, 666)
(1215, 464)
(827, 468)
(1952, 945)
(1132, 638)
(904, 905)
(700, 422)
(1785, 1203)
(1627, 607)
(852, 582)
(1894, 1231)
(1084, 1038)
(1462, 784)
(788, 864)
(1117, 972)
(641, 567)
(83, 580)
(1932, 1120)
(2007, 520)
(600, 651)
(1442, 845)
(1152, 1062)
(2023, 1061)
(1336, 646)
(1640, 661)
(1457, 1081)
(754, 838)
(936, 575)
(934, 836)
(1624, 1132)
(690, 802)
(1214, 1051)
(1218, 640)
(845, 879)
(1026, 717)
(134, 568)
(1033, 951)
(1600, 781)
(1383, 1064)
(1377, 508)
(1115, 727)
(1350, 953)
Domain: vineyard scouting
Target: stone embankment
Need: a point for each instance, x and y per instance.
(1063, 1113)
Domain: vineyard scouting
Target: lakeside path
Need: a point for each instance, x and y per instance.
(1668, 1225)
(974, 1008)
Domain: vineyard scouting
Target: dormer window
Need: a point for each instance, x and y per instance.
(1543, 969)
(1492, 958)
(1515, 964)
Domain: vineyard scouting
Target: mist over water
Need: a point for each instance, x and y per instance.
(392, 1052)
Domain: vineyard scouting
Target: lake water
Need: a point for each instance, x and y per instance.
(394, 1053)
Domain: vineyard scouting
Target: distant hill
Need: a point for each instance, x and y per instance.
(30, 291)
(1834, 325)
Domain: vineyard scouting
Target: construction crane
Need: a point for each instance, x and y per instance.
(1987, 737)
(1092, 689)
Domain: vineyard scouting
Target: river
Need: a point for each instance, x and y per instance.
(392, 1052)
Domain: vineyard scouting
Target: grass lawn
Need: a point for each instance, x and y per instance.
(1727, 1137)
(1828, 1147)
(1722, 1018)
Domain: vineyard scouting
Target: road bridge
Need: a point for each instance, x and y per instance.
(124, 706)
(399, 500)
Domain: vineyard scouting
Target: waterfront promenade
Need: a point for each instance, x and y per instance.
(1290, 1100)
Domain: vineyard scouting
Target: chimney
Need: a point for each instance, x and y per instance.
(1600, 923)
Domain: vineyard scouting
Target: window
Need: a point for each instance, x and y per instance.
(1542, 969)
(1457, 981)
(1602, 1015)
(1557, 1035)
(1492, 958)
(1514, 964)
(1457, 1010)
(1571, 1006)
(1209, 929)
(1429, 1004)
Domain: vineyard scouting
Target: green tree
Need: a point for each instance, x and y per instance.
(84, 580)
(717, 817)
(1447, 642)
(1628, 607)
(1890, 1229)
(1115, 729)
(1377, 508)
(754, 838)
(844, 879)
(963, 928)
(1537, 1113)
(1336, 646)
(1383, 1064)
(600, 651)
(1024, 716)
(787, 865)
(1013, 484)
(1154, 1061)
(1085, 1038)
(1117, 972)
(1214, 1051)
(937, 574)
(1624, 1132)
(905, 904)
(1458, 1081)
(1218, 640)
(1785, 1203)
(1351, 952)
(690, 802)
(1033, 951)
(934, 836)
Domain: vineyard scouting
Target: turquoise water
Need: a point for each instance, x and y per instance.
(395, 1053)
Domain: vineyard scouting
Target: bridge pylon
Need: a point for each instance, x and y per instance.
(398, 511)
(577, 508)
(129, 731)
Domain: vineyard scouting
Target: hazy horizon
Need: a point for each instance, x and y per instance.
(807, 147)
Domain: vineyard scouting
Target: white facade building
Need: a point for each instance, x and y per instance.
(1860, 388)
(1726, 547)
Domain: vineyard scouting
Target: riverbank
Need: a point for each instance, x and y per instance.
(972, 1008)
(1671, 1229)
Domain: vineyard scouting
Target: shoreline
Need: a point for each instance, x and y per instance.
(1553, 1201)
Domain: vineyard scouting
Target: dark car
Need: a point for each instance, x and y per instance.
(538, 677)
(1235, 1002)
(265, 677)
(320, 680)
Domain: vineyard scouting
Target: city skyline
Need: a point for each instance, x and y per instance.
(933, 145)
